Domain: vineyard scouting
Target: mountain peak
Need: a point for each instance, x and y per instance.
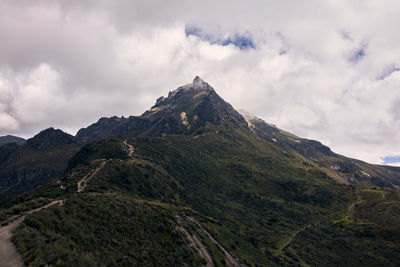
(198, 85)
(50, 137)
(194, 108)
(197, 79)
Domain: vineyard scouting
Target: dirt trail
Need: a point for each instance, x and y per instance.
(290, 239)
(8, 253)
(195, 243)
(230, 261)
(350, 209)
(83, 182)
(129, 148)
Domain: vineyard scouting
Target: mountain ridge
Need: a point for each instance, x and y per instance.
(193, 178)
(8, 139)
(193, 110)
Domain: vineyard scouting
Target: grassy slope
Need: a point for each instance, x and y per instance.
(367, 234)
(266, 207)
(340, 168)
(31, 158)
(259, 195)
(104, 230)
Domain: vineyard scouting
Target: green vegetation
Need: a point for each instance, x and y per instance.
(15, 210)
(366, 235)
(104, 230)
(29, 167)
(255, 197)
(204, 189)
(340, 168)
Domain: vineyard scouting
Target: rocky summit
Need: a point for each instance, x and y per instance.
(193, 182)
(194, 108)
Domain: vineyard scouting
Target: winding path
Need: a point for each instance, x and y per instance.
(9, 255)
(230, 261)
(290, 239)
(128, 147)
(350, 209)
(196, 243)
(83, 182)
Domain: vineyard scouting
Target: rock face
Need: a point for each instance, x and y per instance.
(194, 108)
(8, 139)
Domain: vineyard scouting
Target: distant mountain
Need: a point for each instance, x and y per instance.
(193, 182)
(11, 139)
(49, 138)
(342, 169)
(37, 161)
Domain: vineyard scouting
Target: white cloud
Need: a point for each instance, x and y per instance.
(65, 64)
(38, 94)
(7, 122)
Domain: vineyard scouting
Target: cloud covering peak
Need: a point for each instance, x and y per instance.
(326, 70)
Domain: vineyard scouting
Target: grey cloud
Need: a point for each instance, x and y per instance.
(67, 63)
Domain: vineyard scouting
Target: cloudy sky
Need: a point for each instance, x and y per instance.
(327, 70)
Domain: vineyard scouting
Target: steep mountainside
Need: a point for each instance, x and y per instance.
(192, 182)
(340, 168)
(41, 159)
(196, 109)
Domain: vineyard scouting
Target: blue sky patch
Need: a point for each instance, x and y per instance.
(190, 30)
(242, 42)
(391, 159)
(358, 55)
